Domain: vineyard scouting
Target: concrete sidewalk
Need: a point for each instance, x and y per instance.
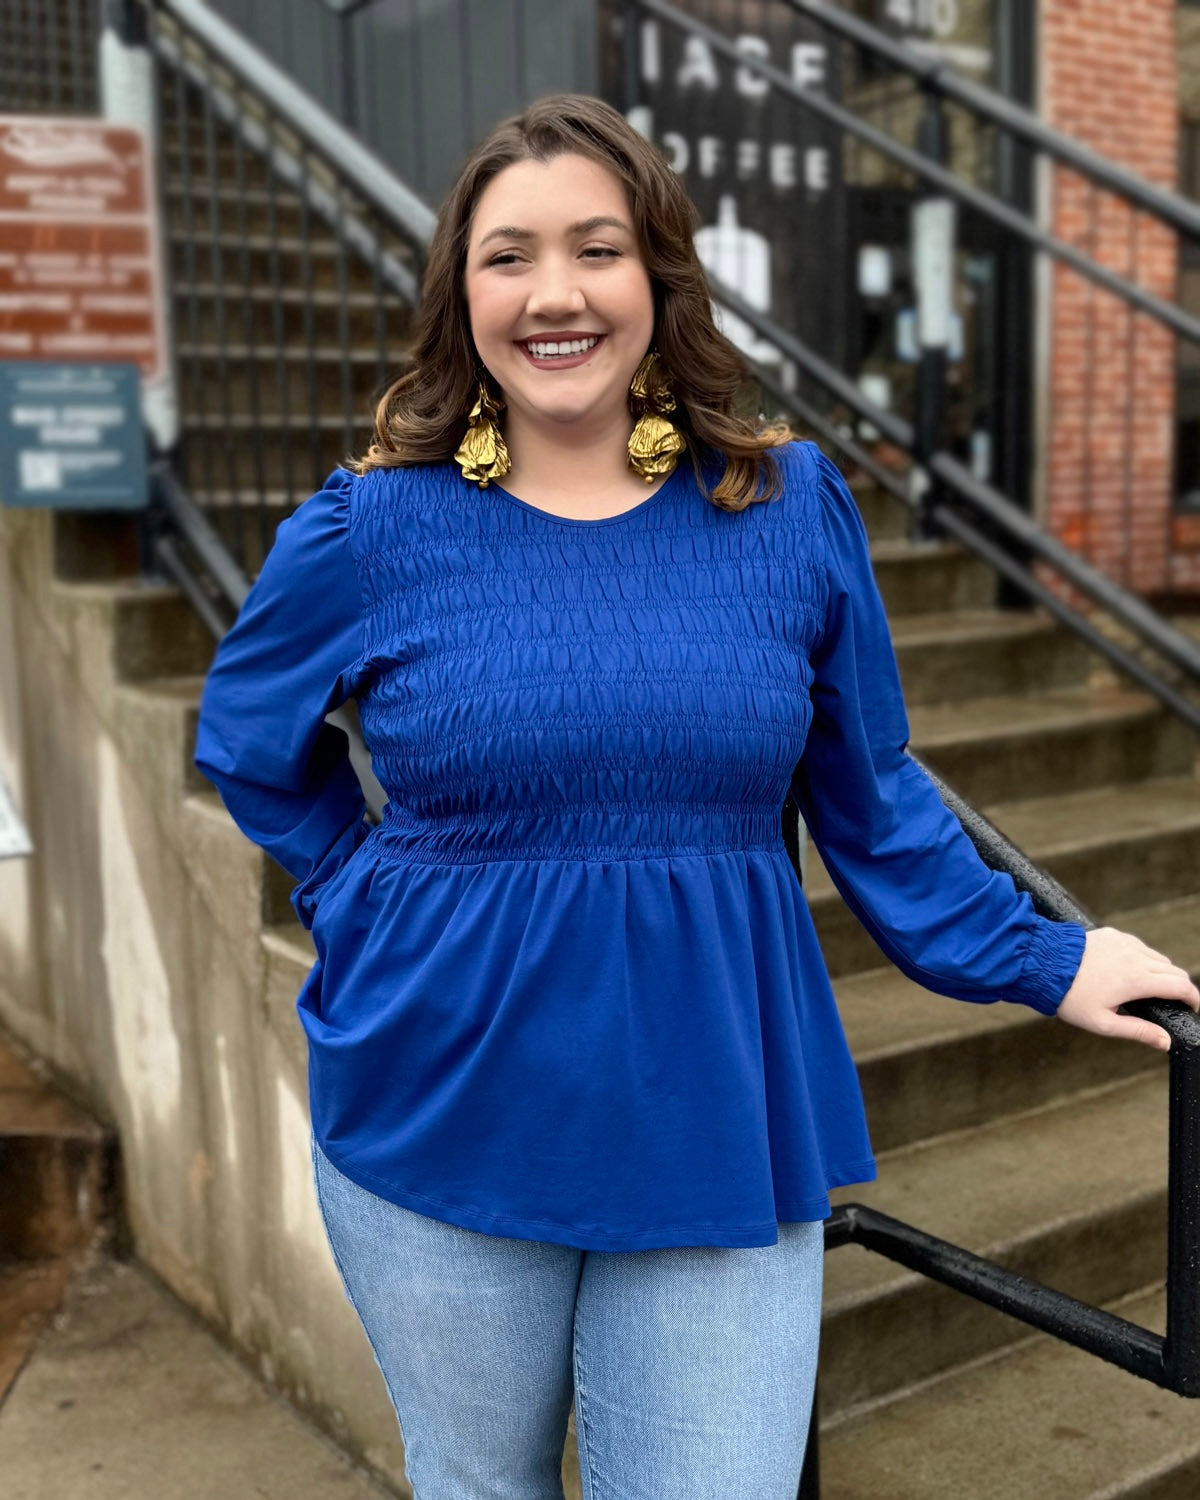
(127, 1396)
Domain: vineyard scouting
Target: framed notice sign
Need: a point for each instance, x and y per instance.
(80, 272)
(71, 437)
(14, 838)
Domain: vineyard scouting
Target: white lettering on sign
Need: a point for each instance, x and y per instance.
(710, 155)
(808, 64)
(698, 65)
(651, 56)
(782, 168)
(784, 163)
(816, 169)
(937, 17)
(749, 84)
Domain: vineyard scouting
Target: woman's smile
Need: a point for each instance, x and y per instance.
(559, 361)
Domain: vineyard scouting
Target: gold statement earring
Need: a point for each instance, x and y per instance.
(655, 443)
(482, 454)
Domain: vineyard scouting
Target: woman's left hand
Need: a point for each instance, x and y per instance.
(1116, 967)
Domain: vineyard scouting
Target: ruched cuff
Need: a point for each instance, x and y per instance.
(1051, 962)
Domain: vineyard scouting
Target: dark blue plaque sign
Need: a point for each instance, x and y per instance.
(71, 436)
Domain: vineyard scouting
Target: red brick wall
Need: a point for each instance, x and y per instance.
(1108, 78)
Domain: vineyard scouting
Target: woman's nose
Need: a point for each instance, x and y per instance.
(555, 290)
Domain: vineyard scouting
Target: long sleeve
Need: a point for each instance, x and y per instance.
(289, 659)
(894, 850)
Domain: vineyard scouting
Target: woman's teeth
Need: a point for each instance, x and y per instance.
(557, 351)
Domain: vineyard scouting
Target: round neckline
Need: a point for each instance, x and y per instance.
(584, 521)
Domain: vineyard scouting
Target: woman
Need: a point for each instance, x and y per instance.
(579, 1088)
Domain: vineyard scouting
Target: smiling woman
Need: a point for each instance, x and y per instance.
(579, 1085)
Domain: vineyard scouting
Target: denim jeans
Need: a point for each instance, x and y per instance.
(691, 1368)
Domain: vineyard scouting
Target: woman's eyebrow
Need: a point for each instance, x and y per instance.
(583, 226)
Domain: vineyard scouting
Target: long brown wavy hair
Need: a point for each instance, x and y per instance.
(422, 416)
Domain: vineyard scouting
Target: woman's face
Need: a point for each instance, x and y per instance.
(536, 267)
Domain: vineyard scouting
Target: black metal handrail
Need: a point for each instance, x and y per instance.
(983, 202)
(1007, 113)
(360, 167)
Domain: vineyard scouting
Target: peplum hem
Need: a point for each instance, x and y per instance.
(627, 1054)
(728, 1235)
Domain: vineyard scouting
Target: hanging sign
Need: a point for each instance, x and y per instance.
(763, 171)
(71, 437)
(80, 270)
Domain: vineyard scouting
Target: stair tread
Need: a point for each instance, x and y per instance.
(1045, 1419)
(883, 1012)
(44, 1111)
(991, 1185)
(1044, 827)
(951, 627)
(1010, 714)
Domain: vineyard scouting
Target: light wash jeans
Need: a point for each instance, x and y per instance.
(692, 1367)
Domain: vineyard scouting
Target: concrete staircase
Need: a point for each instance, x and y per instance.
(1011, 1134)
(56, 1168)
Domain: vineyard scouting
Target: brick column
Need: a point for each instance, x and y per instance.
(1109, 80)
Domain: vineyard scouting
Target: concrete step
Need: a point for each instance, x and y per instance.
(1039, 744)
(95, 545)
(151, 629)
(930, 577)
(1043, 1420)
(929, 1065)
(1115, 849)
(885, 517)
(960, 654)
(1072, 1194)
(55, 1163)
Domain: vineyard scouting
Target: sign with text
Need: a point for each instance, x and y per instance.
(764, 171)
(71, 436)
(80, 271)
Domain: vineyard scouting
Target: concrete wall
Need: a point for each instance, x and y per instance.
(133, 958)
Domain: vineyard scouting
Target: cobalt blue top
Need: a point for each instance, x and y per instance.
(569, 988)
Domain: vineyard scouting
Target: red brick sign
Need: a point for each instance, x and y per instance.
(80, 274)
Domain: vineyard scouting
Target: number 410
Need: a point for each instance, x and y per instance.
(938, 16)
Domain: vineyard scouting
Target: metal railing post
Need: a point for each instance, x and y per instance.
(1181, 1349)
(810, 1475)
